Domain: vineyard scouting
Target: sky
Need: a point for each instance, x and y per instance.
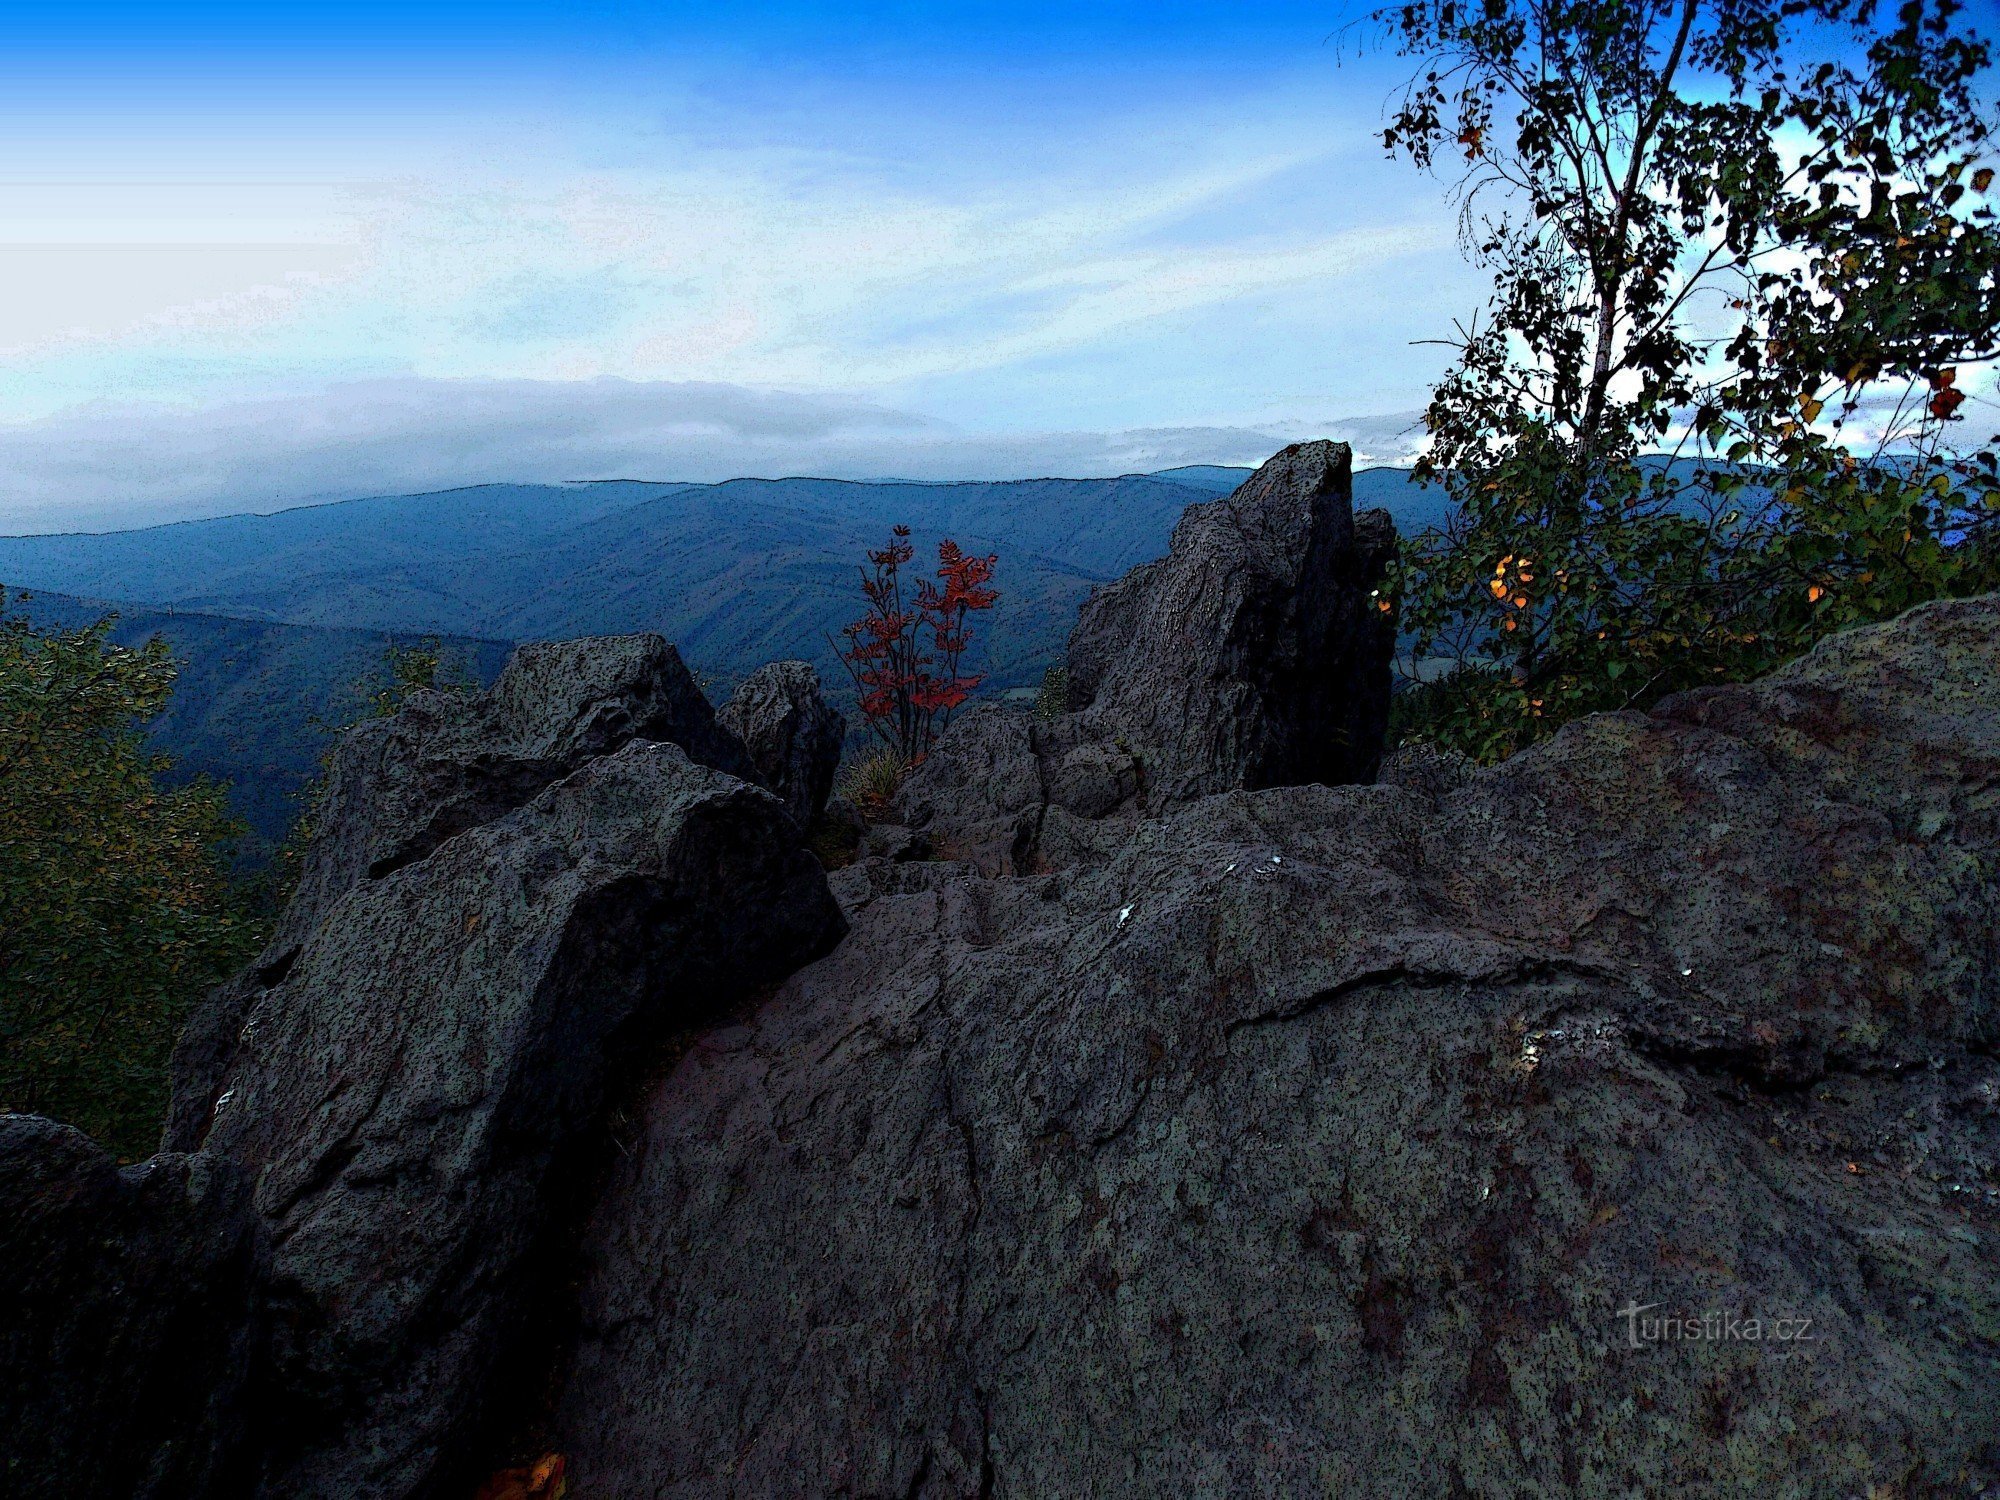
(259, 256)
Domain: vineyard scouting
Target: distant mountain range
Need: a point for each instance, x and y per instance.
(277, 616)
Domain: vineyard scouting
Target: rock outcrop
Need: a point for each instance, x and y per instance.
(516, 908)
(400, 786)
(792, 737)
(423, 1101)
(1013, 793)
(1356, 1140)
(1168, 1121)
(130, 1334)
(1255, 654)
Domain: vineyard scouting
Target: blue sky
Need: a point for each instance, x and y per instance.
(264, 254)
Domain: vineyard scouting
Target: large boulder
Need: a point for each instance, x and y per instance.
(129, 1331)
(792, 737)
(426, 1097)
(1621, 1120)
(1256, 653)
(400, 786)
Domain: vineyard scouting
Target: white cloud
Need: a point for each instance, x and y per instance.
(1193, 276)
(813, 261)
(111, 466)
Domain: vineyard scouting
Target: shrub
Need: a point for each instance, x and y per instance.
(872, 781)
(904, 654)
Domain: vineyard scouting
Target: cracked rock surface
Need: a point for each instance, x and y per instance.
(1324, 1140)
(422, 1100)
(399, 787)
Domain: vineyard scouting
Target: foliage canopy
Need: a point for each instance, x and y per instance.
(1745, 263)
(116, 908)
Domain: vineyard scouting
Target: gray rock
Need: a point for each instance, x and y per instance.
(402, 785)
(1325, 1140)
(894, 842)
(425, 1098)
(989, 792)
(128, 1322)
(399, 787)
(793, 738)
(1254, 653)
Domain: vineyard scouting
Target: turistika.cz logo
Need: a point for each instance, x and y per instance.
(1712, 1327)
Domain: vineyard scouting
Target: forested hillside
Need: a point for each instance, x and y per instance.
(254, 698)
(276, 617)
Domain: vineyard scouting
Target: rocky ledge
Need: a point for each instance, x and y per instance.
(1208, 1114)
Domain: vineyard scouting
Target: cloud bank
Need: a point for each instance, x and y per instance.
(104, 467)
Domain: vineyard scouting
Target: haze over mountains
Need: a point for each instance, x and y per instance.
(277, 616)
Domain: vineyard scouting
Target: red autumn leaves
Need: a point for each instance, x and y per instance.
(904, 654)
(542, 1480)
(1948, 398)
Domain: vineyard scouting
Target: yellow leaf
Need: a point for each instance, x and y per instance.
(1811, 408)
(1814, 594)
(1982, 179)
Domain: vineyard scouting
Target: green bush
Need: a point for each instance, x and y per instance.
(116, 907)
(1052, 698)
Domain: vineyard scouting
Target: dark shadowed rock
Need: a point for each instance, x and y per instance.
(1254, 654)
(793, 739)
(127, 1320)
(423, 1099)
(1325, 1140)
(1013, 793)
(400, 786)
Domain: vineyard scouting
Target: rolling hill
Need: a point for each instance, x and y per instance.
(275, 616)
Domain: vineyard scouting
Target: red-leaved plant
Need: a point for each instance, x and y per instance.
(904, 654)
